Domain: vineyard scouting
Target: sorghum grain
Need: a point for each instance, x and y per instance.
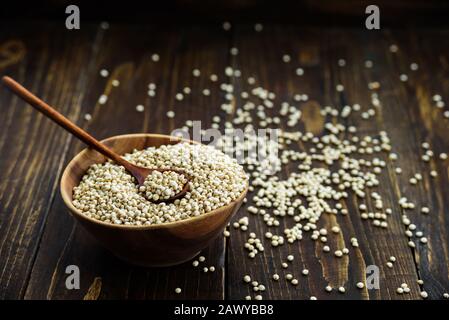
(107, 192)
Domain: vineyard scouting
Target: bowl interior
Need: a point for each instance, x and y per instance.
(121, 144)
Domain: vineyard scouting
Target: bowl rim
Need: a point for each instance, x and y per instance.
(79, 214)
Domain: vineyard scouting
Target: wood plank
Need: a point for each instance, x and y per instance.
(318, 51)
(126, 53)
(389, 242)
(270, 73)
(32, 148)
(430, 50)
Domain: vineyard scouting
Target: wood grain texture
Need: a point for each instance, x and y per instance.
(390, 242)
(426, 124)
(38, 239)
(180, 53)
(319, 58)
(32, 151)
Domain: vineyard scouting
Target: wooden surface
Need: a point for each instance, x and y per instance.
(39, 239)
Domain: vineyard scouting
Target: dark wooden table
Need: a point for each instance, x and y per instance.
(39, 239)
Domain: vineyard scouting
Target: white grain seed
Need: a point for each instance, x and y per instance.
(186, 90)
(286, 58)
(338, 253)
(335, 229)
(155, 57)
(234, 51)
(104, 73)
(104, 25)
(226, 26)
(258, 27)
(170, 114)
(103, 98)
(394, 48)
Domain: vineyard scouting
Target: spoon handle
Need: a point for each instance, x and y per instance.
(51, 113)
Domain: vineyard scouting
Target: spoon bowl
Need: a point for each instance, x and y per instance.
(152, 245)
(141, 174)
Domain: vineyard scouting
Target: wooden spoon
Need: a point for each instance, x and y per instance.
(137, 172)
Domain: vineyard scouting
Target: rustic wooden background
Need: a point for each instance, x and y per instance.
(38, 238)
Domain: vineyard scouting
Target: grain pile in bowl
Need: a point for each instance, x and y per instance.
(160, 186)
(107, 192)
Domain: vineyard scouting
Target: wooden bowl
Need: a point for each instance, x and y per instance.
(154, 245)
